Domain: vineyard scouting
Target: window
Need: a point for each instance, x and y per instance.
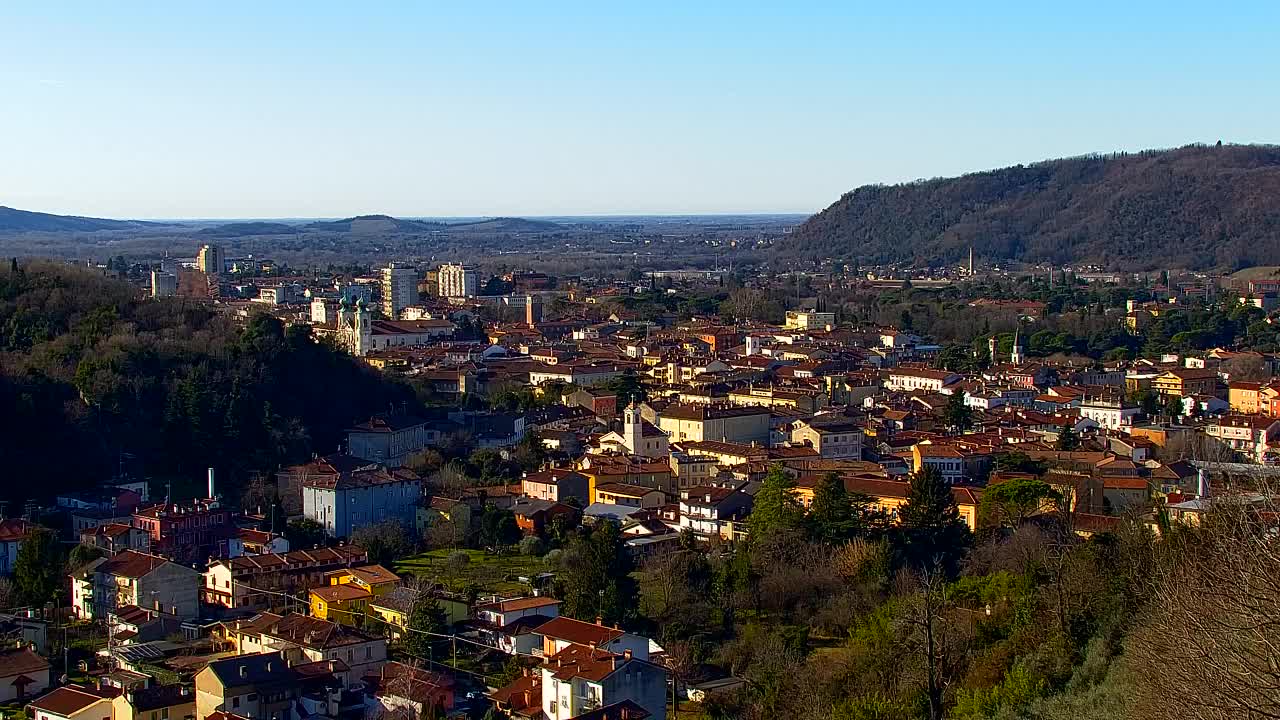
(235, 702)
(165, 713)
(252, 697)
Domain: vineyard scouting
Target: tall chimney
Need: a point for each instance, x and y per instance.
(1202, 484)
(211, 489)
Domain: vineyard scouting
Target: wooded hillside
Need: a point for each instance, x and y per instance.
(1194, 207)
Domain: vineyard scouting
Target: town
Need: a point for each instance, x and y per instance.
(644, 494)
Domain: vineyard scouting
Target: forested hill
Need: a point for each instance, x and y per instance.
(89, 370)
(1194, 207)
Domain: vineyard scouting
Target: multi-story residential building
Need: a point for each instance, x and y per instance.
(1244, 397)
(348, 501)
(581, 679)
(163, 284)
(114, 537)
(947, 460)
(709, 511)
(269, 580)
(683, 422)
(810, 320)
(691, 470)
(580, 374)
(836, 438)
(190, 533)
(920, 379)
(1112, 412)
(1182, 382)
(625, 495)
(458, 280)
(134, 578)
(388, 438)
(210, 260)
(1249, 435)
(556, 485)
(257, 687)
(399, 289)
(159, 702)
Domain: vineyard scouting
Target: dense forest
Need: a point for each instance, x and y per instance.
(91, 373)
(1194, 207)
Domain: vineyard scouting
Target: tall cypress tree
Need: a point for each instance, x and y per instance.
(931, 532)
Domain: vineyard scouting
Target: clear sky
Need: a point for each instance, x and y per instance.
(274, 109)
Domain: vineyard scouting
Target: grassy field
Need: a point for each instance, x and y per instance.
(490, 573)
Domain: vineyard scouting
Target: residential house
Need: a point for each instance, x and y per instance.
(160, 702)
(832, 438)
(1249, 435)
(72, 703)
(115, 537)
(635, 496)
(263, 686)
(134, 578)
(23, 673)
(342, 604)
(404, 692)
(581, 681)
(563, 632)
(556, 485)
(710, 511)
(13, 532)
(513, 625)
(394, 608)
(306, 639)
(534, 516)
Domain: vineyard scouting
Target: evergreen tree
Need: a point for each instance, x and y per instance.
(930, 531)
(37, 569)
(1068, 439)
(831, 514)
(958, 415)
(426, 617)
(595, 576)
(775, 507)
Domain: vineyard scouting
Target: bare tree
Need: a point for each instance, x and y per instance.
(1212, 635)
(940, 632)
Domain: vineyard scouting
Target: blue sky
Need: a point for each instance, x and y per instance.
(492, 108)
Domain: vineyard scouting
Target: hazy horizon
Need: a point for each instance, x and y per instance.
(241, 111)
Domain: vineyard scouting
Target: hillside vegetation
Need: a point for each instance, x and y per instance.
(89, 370)
(1195, 207)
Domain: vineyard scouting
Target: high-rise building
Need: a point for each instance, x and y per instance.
(458, 280)
(399, 289)
(163, 284)
(210, 260)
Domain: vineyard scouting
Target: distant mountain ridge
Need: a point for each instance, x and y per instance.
(1196, 207)
(13, 220)
(250, 228)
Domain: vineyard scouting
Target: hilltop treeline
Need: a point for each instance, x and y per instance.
(1194, 207)
(91, 373)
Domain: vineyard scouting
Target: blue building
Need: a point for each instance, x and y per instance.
(346, 501)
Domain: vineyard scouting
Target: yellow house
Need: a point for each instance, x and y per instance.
(395, 607)
(373, 578)
(343, 604)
